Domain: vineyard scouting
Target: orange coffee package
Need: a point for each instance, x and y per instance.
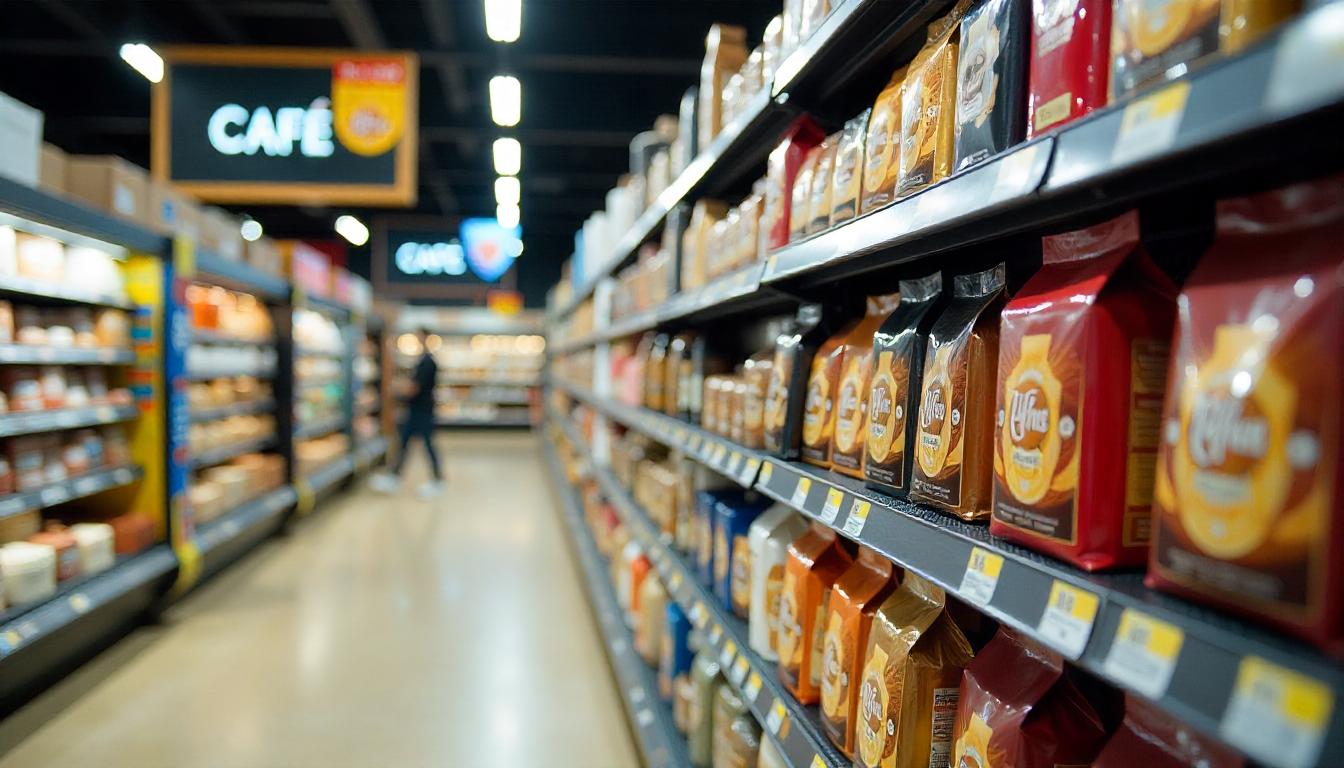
(1083, 352)
(819, 407)
(929, 106)
(1247, 509)
(954, 450)
(882, 146)
(815, 560)
(800, 208)
(1154, 739)
(1021, 707)
(851, 399)
(854, 601)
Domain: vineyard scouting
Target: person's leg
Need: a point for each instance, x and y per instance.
(388, 482)
(427, 432)
(406, 432)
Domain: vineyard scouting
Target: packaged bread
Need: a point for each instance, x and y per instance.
(851, 398)
(749, 225)
(781, 174)
(1083, 350)
(1247, 510)
(991, 80)
(819, 407)
(800, 215)
(882, 146)
(768, 544)
(897, 383)
(954, 449)
(1154, 739)
(911, 675)
(1070, 61)
(823, 177)
(856, 596)
(795, 349)
(725, 53)
(847, 179)
(928, 106)
(816, 559)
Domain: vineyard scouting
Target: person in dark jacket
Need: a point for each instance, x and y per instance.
(418, 422)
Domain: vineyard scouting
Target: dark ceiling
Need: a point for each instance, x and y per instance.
(594, 73)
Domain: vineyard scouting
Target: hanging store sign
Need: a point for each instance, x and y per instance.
(425, 258)
(288, 126)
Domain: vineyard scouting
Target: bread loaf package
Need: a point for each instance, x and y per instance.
(897, 382)
(823, 178)
(909, 686)
(781, 173)
(816, 559)
(1154, 739)
(928, 106)
(800, 213)
(851, 394)
(991, 80)
(1247, 508)
(725, 53)
(847, 180)
(856, 596)
(954, 449)
(1070, 61)
(1083, 353)
(768, 543)
(795, 349)
(819, 408)
(882, 146)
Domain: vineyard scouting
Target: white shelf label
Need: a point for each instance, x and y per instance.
(1067, 622)
(734, 463)
(1276, 715)
(80, 603)
(1012, 174)
(800, 491)
(775, 718)
(981, 577)
(727, 655)
(753, 687)
(1144, 652)
(832, 506)
(52, 496)
(739, 670)
(645, 718)
(1149, 124)
(858, 516)
(749, 471)
(720, 452)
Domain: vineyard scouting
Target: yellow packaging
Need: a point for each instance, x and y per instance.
(749, 227)
(695, 242)
(725, 53)
(882, 146)
(847, 181)
(929, 107)
(819, 217)
(800, 212)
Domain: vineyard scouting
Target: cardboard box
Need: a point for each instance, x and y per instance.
(264, 254)
(173, 212)
(21, 136)
(52, 171)
(109, 183)
(220, 233)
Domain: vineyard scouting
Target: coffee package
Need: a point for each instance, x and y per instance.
(1070, 61)
(800, 213)
(823, 178)
(1083, 351)
(1247, 508)
(909, 686)
(954, 448)
(819, 408)
(737, 402)
(847, 181)
(882, 146)
(795, 349)
(768, 544)
(897, 381)
(756, 373)
(816, 559)
(1154, 739)
(725, 53)
(851, 399)
(655, 372)
(1020, 706)
(695, 242)
(928, 106)
(732, 553)
(675, 363)
(781, 175)
(856, 596)
(991, 81)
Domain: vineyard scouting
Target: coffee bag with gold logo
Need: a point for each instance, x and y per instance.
(929, 106)
(1082, 351)
(953, 447)
(1247, 509)
(882, 147)
(800, 215)
(768, 542)
(794, 352)
(819, 407)
(851, 397)
(847, 183)
(896, 383)
(816, 559)
(1070, 61)
(823, 177)
(991, 80)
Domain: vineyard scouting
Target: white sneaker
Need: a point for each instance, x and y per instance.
(429, 490)
(384, 482)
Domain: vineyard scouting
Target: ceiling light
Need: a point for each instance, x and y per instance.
(508, 157)
(508, 215)
(352, 229)
(506, 100)
(144, 60)
(503, 20)
(251, 230)
(508, 191)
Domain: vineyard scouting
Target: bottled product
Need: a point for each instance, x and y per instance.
(954, 448)
(800, 206)
(851, 399)
(1083, 350)
(847, 182)
(674, 658)
(655, 373)
(756, 382)
(816, 559)
(795, 349)
(734, 515)
(882, 146)
(992, 80)
(1070, 61)
(823, 177)
(1246, 507)
(649, 622)
(706, 681)
(897, 381)
(1021, 706)
(737, 736)
(737, 410)
(819, 408)
(928, 106)
(781, 174)
(909, 685)
(713, 394)
(695, 242)
(633, 569)
(854, 600)
(674, 363)
(1154, 739)
(768, 542)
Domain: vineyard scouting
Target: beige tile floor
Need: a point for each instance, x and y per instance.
(382, 632)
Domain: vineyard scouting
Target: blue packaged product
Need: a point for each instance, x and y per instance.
(675, 658)
(732, 554)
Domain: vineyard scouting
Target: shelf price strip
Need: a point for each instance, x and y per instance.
(1144, 652)
(1277, 715)
(981, 577)
(1068, 618)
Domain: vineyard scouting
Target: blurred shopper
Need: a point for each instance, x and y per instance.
(417, 394)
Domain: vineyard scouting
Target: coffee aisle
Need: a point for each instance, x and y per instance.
(392, 632)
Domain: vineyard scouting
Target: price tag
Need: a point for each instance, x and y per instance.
(776, 717)
(740, 669)
(86, 486)
(1149, 124)
(832, 506)
(771, 264)
(1068, 618)
(1276, 715)
(734, 463)
(80, 603)
(694, 445)
(637, 694)
(858, 516)
(53, 496)
(930, 208)
(817, 762)
(749, 471)
(645, 718)
(720, 452)
(67, 419)
(728, 653)
(981, 577)
(753, 687)
(767, 472)
(1308, 62)
(1013, 172)
(105, 413)
(1143, 654)
(675, 581)
(800, 491)
(122, 476)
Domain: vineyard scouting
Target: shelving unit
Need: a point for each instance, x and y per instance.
(35, 422)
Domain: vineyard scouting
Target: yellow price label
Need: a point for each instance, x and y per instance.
(858, 516)
(1150, 123)
(189, 566)
(184, 257)
(776, 718)
(307, 497)
(753, 687)
(740, 668)
(817, 762)
(800, 492)
(675, 580)
(981, 577)
(767, 472)
(831, 508)
(1144, 652)
(1276, 714)
(1068, 618)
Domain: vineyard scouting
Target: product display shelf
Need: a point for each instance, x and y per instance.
(35, 205)
(330, 354)
(504, 419)
(327, 476)
(660, 744)
(320, 427)
(240, 276)
(35, 422)
(223, 453)
(205, 374)
(314, 382)
(459, 381)
(203, 336)
(37, 292)
(233, 409)
(35, 354)
(223, 539)
(368, 453)
(77, 487)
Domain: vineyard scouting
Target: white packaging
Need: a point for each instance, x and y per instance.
(21, 136)
(96, 546)
(768, 541)
(28, 571)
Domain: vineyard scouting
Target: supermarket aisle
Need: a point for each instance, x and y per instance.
(382, 632)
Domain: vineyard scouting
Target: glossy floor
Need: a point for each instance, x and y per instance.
(384, 631)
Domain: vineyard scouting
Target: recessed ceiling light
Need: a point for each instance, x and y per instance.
(508, 156)
(508, 191)
(506, 100)
(508, 215)
(503, 20)
(352, 229)
(144, 60)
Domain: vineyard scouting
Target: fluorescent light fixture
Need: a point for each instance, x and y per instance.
(352, 229)
(503, 20)
(508, 214)
(508, 157)
(144, 60)
(508, 191)
(251, 230)
(506, 100)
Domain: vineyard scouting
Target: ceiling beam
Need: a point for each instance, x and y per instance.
(357, 19)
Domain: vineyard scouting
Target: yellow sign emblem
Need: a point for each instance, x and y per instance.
(368, 102)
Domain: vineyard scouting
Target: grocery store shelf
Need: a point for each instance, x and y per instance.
(328, 354)
(233, 409)
(447, 381)
(315, 383)
(41, 207)
(203, 336)
(213, 269)
(224, 453)
(324, 305)
(206, 374)
(319, 428)
(32, 354)
(71, 488)
(223, 539)
(367, 454)
(505, 420)
(325, 477)
(660, 744)
(14, 424)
